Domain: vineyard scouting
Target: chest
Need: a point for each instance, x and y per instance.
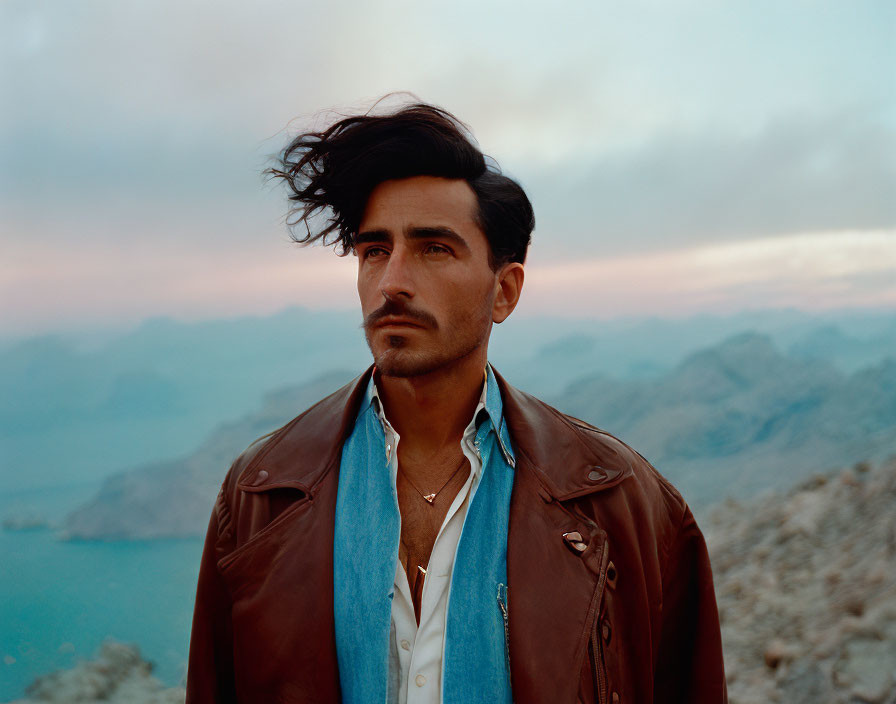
(426, 491)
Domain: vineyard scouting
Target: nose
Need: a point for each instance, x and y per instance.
(397, 279)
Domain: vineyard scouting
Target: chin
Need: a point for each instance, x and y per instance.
(404, 357)
(397, 362)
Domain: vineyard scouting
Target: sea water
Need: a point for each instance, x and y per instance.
(59, 600)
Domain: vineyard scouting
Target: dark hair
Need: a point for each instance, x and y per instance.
(337, 169)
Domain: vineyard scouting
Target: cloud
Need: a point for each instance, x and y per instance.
(808, 271)
(799, 174)
(147, 93)
(44, 287)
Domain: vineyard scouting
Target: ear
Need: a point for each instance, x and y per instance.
(508, 286)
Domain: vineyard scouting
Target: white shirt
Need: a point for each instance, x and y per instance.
(416, 652)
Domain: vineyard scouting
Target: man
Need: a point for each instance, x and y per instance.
(428, 532)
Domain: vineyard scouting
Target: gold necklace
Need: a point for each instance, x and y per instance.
(429, 498)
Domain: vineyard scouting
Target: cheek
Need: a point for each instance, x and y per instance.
(470, 300)
(365, 288)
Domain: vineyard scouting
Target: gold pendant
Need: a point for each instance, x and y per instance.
(429, 497)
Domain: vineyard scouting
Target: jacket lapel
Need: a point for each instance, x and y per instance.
(552, 593)
(555, 584)
(281, 577)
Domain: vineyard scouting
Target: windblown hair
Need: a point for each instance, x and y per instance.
(334, 172)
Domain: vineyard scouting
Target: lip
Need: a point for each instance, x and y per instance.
(391, 322)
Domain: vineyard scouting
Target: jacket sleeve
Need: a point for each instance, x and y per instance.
(210, 675)
(689, 666)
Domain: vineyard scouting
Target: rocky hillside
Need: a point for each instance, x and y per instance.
(806, 585)
(118, 675)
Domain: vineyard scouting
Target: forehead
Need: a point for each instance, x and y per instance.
(421, 201)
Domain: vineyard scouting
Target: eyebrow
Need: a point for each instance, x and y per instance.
(414, 233)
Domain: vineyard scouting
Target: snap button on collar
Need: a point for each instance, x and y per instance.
(602, 474)
(260, 477)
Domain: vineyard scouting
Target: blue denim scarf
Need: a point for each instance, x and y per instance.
(476, 664)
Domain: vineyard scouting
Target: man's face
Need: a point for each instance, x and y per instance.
(427, 290)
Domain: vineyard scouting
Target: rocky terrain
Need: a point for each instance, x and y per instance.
(118, 675)
(806, 586)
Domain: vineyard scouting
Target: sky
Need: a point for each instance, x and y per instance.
(682, 157)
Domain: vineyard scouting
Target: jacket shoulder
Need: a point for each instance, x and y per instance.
(647, 503)
(647, 478)
(247, 456)
(298, 453)
(594, 460)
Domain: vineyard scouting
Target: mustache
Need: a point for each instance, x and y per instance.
(398, 308)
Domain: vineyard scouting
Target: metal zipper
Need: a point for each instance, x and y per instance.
(597, 646)
(600, 680)
(502, 604)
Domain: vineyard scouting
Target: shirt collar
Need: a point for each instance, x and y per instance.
(489, 409)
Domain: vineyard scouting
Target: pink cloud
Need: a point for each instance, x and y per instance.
(44, 286)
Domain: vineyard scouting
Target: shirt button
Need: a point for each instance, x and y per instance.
(420, 680)
(405, 645)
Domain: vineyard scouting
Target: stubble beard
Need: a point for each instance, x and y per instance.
(398, 359)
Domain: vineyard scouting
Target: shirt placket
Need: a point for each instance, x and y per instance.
(427, 657)
(420, 677)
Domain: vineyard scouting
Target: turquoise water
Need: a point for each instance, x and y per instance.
(60, 600)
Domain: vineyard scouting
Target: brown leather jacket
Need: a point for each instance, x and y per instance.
(629, 617)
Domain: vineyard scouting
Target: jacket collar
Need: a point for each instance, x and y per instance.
(569, 457)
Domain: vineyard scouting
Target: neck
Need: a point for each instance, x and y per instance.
(431, 411)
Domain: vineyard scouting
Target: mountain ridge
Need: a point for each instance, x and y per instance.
(737, 418)
(739, 414)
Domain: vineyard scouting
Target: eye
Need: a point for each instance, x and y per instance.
(435, 248)
(373, 252)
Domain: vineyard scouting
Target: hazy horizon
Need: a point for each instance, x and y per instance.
(94, 332)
